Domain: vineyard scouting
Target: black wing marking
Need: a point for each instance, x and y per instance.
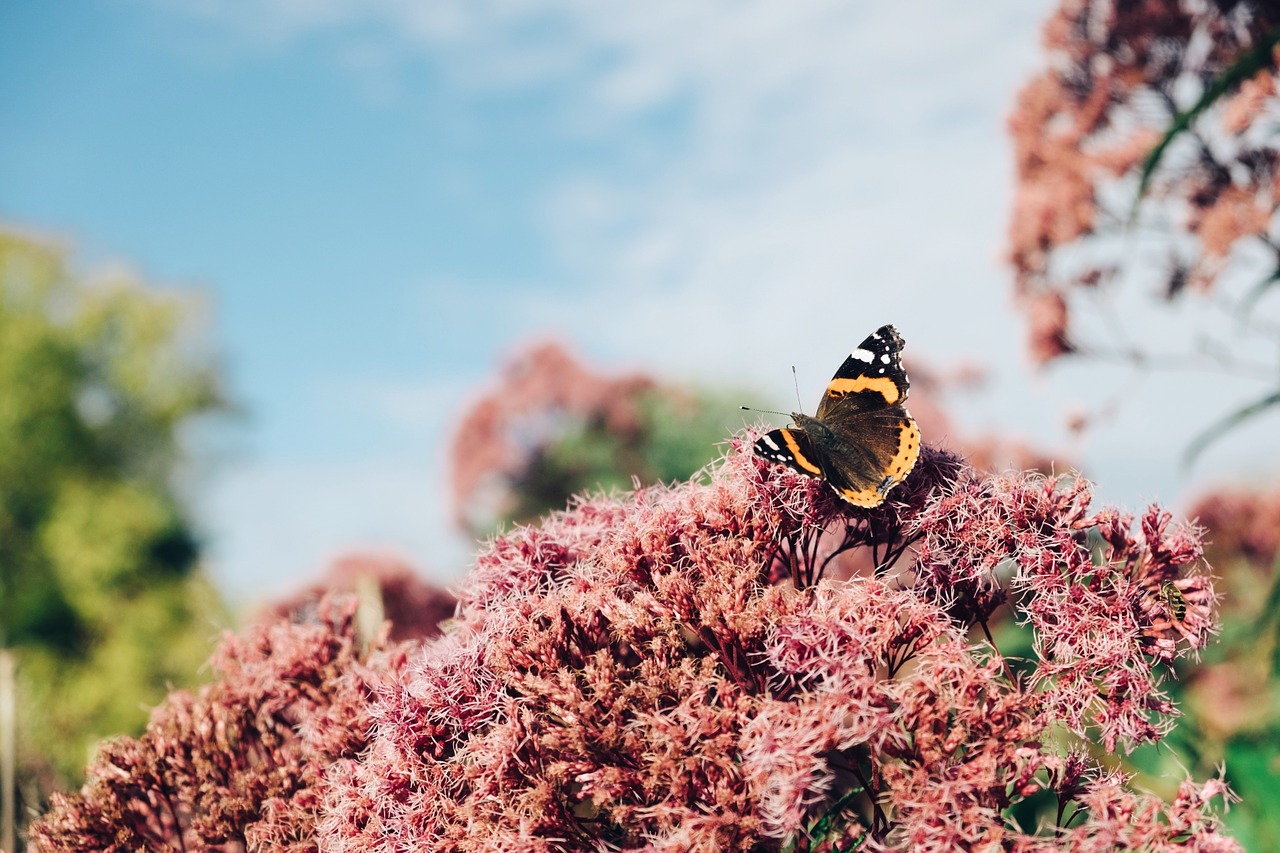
(792, 448)
(871, 378)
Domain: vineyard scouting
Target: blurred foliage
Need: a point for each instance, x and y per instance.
(1231, 703)
(1229, 700)
(100, 595)
(675, 434)
(550, 428)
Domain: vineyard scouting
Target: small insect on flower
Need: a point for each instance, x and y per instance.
(862, 441)
(1175, 600)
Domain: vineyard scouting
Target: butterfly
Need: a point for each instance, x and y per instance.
(862, 440)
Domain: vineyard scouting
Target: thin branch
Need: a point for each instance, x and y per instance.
(1004, 664)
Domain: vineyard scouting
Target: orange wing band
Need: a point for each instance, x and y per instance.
(898, 469)
(883, 385)
(794, 447)
(908, 453)
(862, 497)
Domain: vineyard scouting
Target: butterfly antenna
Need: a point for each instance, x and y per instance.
(765, 411)
(796, 382)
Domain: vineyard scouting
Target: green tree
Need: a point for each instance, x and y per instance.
(101, 600)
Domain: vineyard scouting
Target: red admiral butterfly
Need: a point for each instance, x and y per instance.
(862, 441)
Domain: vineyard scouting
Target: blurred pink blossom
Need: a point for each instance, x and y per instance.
(1116, 78)
(413, 607)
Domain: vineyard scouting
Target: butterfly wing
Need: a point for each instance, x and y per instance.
(790, 447)
(870, 441)
(883, 454)
(871, 378)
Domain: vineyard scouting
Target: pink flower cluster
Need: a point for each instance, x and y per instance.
(241, 764)
(677, 670)
(1117, 77)
(413, 608)
(539, 391)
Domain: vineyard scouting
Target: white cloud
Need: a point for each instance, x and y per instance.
(830, 166)
(421, 408)
(835, 165)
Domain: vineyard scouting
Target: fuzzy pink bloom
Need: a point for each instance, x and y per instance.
(670, 672)
(673, 670)
(1122, 819)
(239, 764)
(1101, 622)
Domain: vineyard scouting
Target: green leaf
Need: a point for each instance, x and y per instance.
(1253, 60)
(1227, 424)
(1251, 298)
(1251, 766)
(826, 826)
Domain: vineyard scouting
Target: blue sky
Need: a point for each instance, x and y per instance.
(382, 198)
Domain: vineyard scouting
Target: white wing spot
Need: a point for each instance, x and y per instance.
(863, 355)
(886, 358)
(770, 443)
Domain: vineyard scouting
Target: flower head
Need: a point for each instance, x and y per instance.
(672, 670)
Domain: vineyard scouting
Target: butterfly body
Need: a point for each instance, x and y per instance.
(861, 440)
